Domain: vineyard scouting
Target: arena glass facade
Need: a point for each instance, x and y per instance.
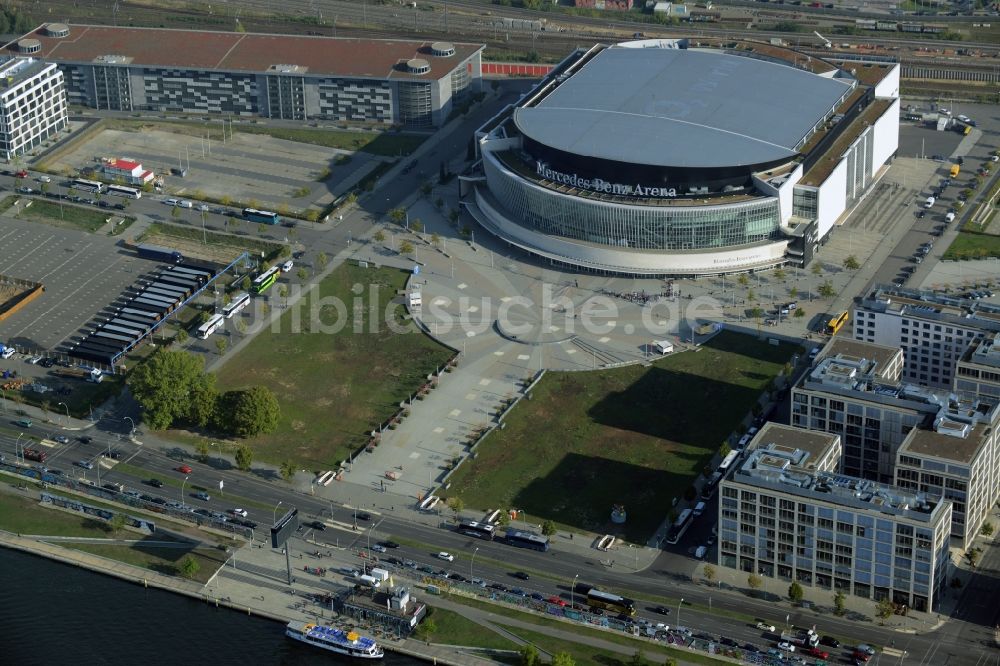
(544, 201)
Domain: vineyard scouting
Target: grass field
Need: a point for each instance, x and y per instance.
(27, 516)
(973, 246)
(335, 386)
(63, 215)
(453, 629)
(161, 559)
(634, 436)
(236, 243)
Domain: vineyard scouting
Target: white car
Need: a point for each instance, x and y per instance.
(171, 202)
(44, 179)
(446, 556)
(378, 548)
(764, 626)
(184, 203)
(242, 513)
(786, 646)
(203, 208)
(287, 266)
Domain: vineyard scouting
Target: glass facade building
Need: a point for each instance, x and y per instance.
(638, 225)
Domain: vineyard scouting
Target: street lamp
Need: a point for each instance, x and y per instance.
(182, 487)
(274, 514)
(129, 419)
(67, 412)
(15, 447)
(572, 592)
(678, 616)
(473, 561)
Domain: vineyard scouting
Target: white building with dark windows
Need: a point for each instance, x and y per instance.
(933, 331)
(683, 157)
(384, 82)
(32, 104)
(788, 513)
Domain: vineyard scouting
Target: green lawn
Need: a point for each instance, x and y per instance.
(163, 560)
(335, 386)
(64, 215)
(973, 246)
(237, 243)
(635, 436)
(28, 516)
(453, 629)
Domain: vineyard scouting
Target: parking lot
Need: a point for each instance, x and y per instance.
(272, 173)
(82, 274)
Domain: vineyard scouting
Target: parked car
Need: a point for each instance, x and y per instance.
(242, 513)
(556, 600)
(786, 646)
(866, 649)
(86, 464)
(829, 641)
(379, 548)
(317, 525)
(446, 556)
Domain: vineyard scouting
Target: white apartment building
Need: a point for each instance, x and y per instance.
(786, 513)
(32, 105)
(933, 331)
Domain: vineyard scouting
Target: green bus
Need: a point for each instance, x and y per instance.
(263, 282)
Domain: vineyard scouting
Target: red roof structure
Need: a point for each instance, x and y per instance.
(244, 52)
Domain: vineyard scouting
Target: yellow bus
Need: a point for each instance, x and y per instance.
(835, 324)
(955, 169)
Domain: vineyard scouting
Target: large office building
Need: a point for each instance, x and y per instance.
(32, 105)
(936, 442)
(934, 331)
(676, 157)
(388, 82)
(978, 370)
(787, 513)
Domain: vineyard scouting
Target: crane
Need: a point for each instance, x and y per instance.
(826, 42)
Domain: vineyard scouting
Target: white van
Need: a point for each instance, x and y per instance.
(930, 202)
(699, 509)
(699, 552)
(663, 346)
(370, 581)
(949, 217)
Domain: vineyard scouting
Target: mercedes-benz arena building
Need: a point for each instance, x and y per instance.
(662, 158)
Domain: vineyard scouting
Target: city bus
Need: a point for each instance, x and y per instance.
(138, 303)
(728, 462)
(172, 278)
(211, 326)
(136, 313)
(613, 602)
(88, 185)
(123, 330)
(171, 288)
(112, 336)
(152, 303)
(123, 191)
(835, 324)
(479, 530)
(680, 526)
(525, 539)
(126, 323)
(263, 282)
(708, 490)
(262, 216)
(157, 294)
(240, 301)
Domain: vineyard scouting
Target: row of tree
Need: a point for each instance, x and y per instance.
(174, 389)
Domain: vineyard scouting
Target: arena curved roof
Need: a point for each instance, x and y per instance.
(681, 108)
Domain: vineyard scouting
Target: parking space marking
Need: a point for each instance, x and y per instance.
(485, 382)
(498, 353)
(438, 430)
(523, 357)
(471, 396)
(454, 412)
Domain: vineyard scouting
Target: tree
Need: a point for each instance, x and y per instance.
(202, 450)
(725, 449)
(636, 660)
(826, 289)
(456, 505)
(708, 571)
(249, 412)
(244, 457)
(817, 269)
(302, 274)
(548, 528)
(435, 239)
(287, 470)
(397, 215)
(245, 283)
(170, 386)
(239, 26)
(116, 522)
(322, 259)
(839, 603)
(751, 295)
(755, 582)
(799, 313)
(670, 661)
(426, 189)
(779, 274)
(563, 659)
(743, 280)
(181, 337)
(756, 312)
(221, 344)
(379, 236)
(529, 656)
(416, 225)
(793, 292)
(795, 592)
(986, 529)
(189, 567)
(884, 608)
(427, 628)
(406, 247)
(851, 263)
(453, 215)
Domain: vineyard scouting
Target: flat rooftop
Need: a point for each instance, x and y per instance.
(881, 355)
(984, 351)
(820, 448)
(242, 52)
(824, 167)
(689, 108)
(946, 446)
